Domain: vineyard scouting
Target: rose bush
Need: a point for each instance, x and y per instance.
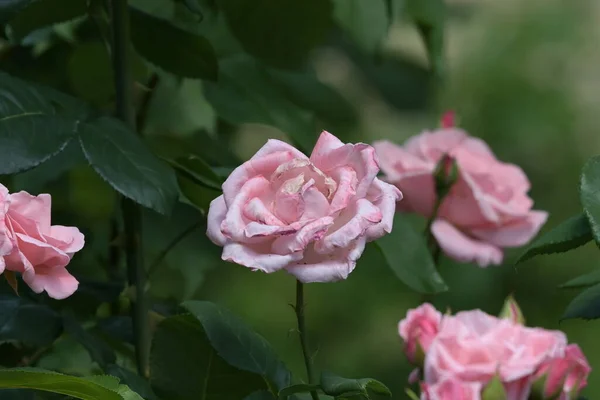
(485, 210)
(471, 348)
(30, 245)
(309, 216)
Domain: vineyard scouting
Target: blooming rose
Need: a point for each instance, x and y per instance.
(486, 209)
(565, 376)
(474, 347)
(467, 351)
(29, 244)
(451, 389)
(309, 216)
(418, 330)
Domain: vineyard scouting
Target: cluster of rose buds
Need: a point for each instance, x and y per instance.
(30, 245)
(472, 355)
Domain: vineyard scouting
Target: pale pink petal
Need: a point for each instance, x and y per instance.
(518, 389)
(418, 191)
(450, 388)
(478, 146)
(36, 208)
(326, 143)
(234, 223)
(289, 204)
(384, 196)
(66, 238)
(298, 241)
(515, 233)
(431, 145)
(466, 205)
(350, 224)
(277, 146)
(256, 210)
(214, 219)
(414, 376)
(57, 282)
(360, 157)
(396, 162)
(258, 257)
(315, 203)
(346, 190)
(2, 264)
(336, 266)
(40, 253)
(6, 243)
(256, 166)
(460, 247)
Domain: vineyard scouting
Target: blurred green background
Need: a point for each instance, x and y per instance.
(522, 75)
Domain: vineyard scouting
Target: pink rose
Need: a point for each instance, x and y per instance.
(418, 330)
(486, 209)
(565, 376)
(32, 246)
(309, 216)
(451, 389)
(474, 347)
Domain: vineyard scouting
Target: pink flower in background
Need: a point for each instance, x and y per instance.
(487, 208)
(451, 389)
(33, 247)
(309, 216)
(418, 330)
(565, 376)
(471, 348)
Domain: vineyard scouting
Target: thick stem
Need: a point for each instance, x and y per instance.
(303, 336)
(132, 213)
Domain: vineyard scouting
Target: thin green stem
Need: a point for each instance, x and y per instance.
(303, 336)
(132, 213)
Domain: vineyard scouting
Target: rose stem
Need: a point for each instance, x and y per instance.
(132, 213)
(303, 336)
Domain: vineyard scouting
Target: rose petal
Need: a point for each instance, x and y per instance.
(466, 205)
(264, 162)
(256, 210)
(459, 247)
(35, 208)
(66, 238)
(396, 162)
(233, 225)
(289, 205)
(346, 190)
(325, 145)
(258, 257)
(349, 225)
(315, 203)
(214, 219)
(298, 241)
(384, 196)
(514, 234)
(40, 253)
(332, 267)
(57, 282)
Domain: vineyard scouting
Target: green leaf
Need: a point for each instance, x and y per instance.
(184, 365)
(589, 189)
(99, 351)
(33, 126)
(42, 13)
(280, 33)
(306, 91)
(494, 390)
(244, 94)
(239, 345)
(570, 234)
(337, 386)
(138, 384)
(299, 388)
(171, 48)
(28, 322)
(583, 281)
(262, 395)
(585, 305)
(122, 159)
(91, 388)
(429, 16)
(366, 21)
(198, 171)
(407, 255)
